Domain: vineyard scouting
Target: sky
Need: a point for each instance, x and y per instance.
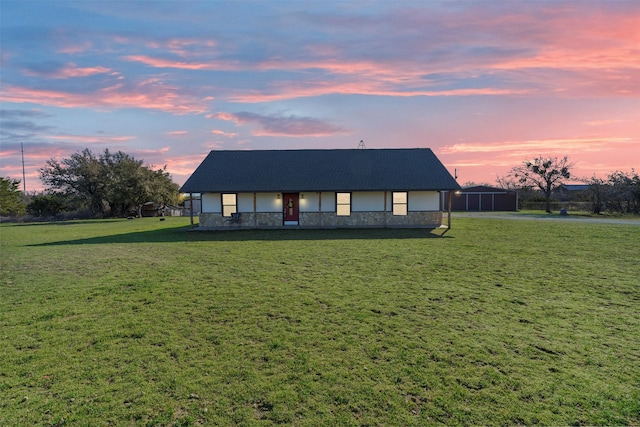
(485, 84)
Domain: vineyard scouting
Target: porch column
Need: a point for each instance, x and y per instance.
(449, 215)
(255, 214)
(191, 208)
(384, 213)
(320, 209)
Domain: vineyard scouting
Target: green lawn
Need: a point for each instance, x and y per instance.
(140, 322)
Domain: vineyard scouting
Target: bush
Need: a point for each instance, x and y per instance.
(46, 205)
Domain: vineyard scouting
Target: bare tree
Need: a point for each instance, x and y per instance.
(545, 173)
(508, 183)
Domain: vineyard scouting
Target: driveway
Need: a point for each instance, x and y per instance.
(545, 217)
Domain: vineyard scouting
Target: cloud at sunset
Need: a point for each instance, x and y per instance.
(67, 71)
(282, 125)
(145, 95)
(92, 139)
(484, 84)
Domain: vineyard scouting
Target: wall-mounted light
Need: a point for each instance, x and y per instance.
(302, 196)
(278, 196)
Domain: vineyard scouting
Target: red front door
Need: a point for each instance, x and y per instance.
(290, 206)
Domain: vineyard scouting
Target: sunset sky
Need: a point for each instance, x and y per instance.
(485, 84)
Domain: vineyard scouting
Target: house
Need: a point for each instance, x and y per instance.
(482, 198)
(320, 188)
(572, 192)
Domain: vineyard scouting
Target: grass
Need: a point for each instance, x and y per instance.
(498, 322)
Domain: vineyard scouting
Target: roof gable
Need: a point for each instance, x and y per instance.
(319, 170)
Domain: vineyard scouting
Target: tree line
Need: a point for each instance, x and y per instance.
(619, 192)
(116, 184)
(104, 185)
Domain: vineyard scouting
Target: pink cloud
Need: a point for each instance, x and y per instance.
(357, 77)
(181, 167)
(223, 133)
(146, 95)
(222, 116)
(92, 139)
(187, 47)
(76, 47)
(212, 145)
(601, 58)
(283, 125)
(166, 63)
(292, 90)
(536, 146)
(476, 161)
(603, 122)
(69, 71)
(178, 132)
(162, 150)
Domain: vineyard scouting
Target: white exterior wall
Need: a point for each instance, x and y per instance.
(424, 201)
(211, 202)
(268, 202)
(245, 202)
(370, 201)
(314, 201)
(310, 201)
(328, 202)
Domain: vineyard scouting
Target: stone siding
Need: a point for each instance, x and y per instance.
(424, 219)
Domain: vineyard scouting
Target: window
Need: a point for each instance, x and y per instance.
(229, 204)
(399, 202)
(343, 204)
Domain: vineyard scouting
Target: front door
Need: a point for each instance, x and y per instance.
(290, 206)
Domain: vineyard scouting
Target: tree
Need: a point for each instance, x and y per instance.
(46, 205)
(619, 192)
(111, 184)
(625, 192)
(81, 178)
(599, 192)
(543, 173)
(507, 183)
(11, 199)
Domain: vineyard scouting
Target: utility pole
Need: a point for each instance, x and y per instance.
(24, 181)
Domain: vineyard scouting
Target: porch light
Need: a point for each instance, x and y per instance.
(278, 196)
(302, 196)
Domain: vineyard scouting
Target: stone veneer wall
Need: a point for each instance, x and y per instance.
(372, 219)
(427, 219)
(249, 220)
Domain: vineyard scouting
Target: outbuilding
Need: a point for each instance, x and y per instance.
(320, 188)
(483, 198)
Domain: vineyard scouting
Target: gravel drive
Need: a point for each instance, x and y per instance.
(544, 217)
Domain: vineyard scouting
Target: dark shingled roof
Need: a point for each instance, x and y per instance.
(320, 170)
(485, 189)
